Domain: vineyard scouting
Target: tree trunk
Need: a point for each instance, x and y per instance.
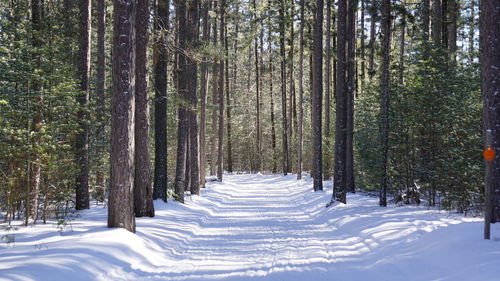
(228, 107)
(286, 160)
(215, 79)
(101, 86)
(203, 93)
(182, 84)
(192, 86)
(328, 81)
(351, 89)
(444, 23)
(82, 138)
(339, 188)
(300, 141)
(143, 193)
(34, 168)
(120, 202)
(292, 108)
(402, 48)
(160, 101)
(471, 31)
(362, 48)
(385, 92)
(371, 44)
(490, 60)
(426, 10)
(452, 28)
(220, 155)
(271, 80)
(258, 144)
(437, 22)
(317, 96)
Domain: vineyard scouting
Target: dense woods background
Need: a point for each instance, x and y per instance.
(384, 96)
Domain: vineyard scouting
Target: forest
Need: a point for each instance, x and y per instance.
(128, 102)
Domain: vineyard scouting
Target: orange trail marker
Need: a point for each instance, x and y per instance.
(489, 154)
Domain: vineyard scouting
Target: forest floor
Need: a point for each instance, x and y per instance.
(258, 227)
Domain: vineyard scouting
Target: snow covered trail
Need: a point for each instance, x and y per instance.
(259, 227)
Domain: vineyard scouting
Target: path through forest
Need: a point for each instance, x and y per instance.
(259, 227)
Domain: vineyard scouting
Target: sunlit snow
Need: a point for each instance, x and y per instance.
(259, 227)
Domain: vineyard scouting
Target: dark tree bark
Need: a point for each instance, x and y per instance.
(300, 141)
(203, 93)
(371, 44)
(292, 108)
(339, 188)
(471, 31)
(437, 22)
(82, 138)
(271, 81)
(220, 155)
(182, 84)
(452, 28)
(490, 60)
(362, 48)
(328, 82)
(385, 92)
(192, 85)
(160, 101)
(317, 96)
(215, 79)
(351, 89)
(228, 107)
(258, 142)
(120, 202)
(143, 192)
(402, 47)
(101, 82)
(286, 159)
(34, 168)
(426, 10)
(444, 23)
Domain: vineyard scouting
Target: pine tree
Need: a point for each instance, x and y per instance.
(120, 202)
(318, 96)
(143, 193)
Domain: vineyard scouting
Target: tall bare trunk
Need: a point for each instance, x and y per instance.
(120, 203)
(34, 167)
(271, 81)
(371, 44)
(286, 160)
(143, 193)
(300, 141)
(160, 101)
(220, 154)
(328, 80)
(490, 60)
(258, 143)
(351, 90)
(101, 83)
(228, 107)
(182, 84)
(215, 73)
(317, 96)
(203, 94)
(385, 93)
(339, 187)
(82, 138)
(192, 87)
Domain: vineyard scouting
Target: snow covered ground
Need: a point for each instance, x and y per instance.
(259, 227)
